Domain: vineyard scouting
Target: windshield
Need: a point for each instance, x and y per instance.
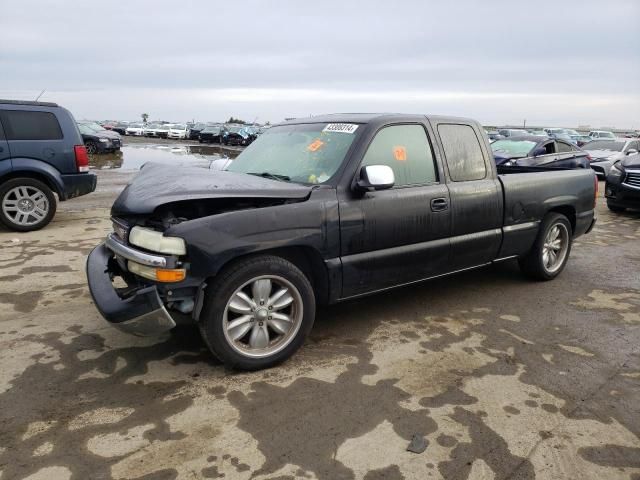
(233, 129)
(94, 126)
(604, 145)
(135, 125)
(179, 126)
(211, 130)
(513, 148)
(300, 153)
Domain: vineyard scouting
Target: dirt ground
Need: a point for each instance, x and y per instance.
(503, 377)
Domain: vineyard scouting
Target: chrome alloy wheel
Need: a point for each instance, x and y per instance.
(263, 316)
(555, 247)
(25, 205)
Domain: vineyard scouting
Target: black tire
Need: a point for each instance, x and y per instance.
(532, 264)
(9, 185)
(615, 208)
(91, 147)
(219, 293)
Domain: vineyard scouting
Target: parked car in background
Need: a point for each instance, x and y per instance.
(151, 130)
(553, 131)
(511, 132)
(541, 133)
(120, 128)
(136, 129)
(235, 135)
(177, 130)
(211, 134)
(538, 151)
(580, 139)
(622, 189)
(162, 130)
(41, 154)
(594, 134)
(319, 211)
(98, 139)
(194, 131)
(604, 153)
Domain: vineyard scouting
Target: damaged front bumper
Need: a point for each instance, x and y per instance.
(139, 311)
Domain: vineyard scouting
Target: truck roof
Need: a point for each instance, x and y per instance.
(28, 102)
(371, 117)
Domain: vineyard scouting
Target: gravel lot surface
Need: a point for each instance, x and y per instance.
(503, 377)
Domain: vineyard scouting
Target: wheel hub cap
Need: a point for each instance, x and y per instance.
(25, 205)
(263, 316)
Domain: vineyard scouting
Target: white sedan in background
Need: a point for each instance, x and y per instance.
(136, 129)
(178, 130)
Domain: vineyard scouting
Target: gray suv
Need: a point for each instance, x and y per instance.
(604, 153)
(41, 154)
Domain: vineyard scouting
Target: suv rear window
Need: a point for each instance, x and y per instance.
(26, 125)
(463, 152)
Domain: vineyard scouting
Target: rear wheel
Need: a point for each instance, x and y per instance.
(26, 204)
(550, 251)
(91, 147)
(615, 208)
(257, 313)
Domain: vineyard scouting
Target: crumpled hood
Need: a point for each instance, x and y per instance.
(158, 184)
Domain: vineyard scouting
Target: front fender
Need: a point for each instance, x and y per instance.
(215, 240)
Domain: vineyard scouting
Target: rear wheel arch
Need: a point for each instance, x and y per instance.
(42, 177)
(569, 212)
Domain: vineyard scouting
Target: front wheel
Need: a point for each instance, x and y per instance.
(257, 313)
(26, 204)
(550, 251)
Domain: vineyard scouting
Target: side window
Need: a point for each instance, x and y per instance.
(1, 132)
(463, 152)
(406, 149)
(563, 147)
(26, 125)
(550, 147)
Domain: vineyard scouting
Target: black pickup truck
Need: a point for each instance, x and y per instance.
(321, 210)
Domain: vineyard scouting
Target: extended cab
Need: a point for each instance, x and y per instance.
(322, 210)
(41, 153)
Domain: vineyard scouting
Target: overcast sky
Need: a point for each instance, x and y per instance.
(550, 62)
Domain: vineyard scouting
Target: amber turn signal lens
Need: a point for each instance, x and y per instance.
(176, 275)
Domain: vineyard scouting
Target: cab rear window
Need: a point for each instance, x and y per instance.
(26, 125)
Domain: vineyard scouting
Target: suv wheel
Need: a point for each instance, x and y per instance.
(92, 148)
(257, 313)
(550, 251)
(26, 204)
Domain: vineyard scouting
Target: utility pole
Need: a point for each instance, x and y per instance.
(524, 123)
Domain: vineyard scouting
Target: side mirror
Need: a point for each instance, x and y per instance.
(632, 151)
(375, 177)
(539, 151)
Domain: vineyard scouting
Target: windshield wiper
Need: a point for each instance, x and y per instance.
(272, 176)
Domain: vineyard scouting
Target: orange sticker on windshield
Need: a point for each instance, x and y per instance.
(316, 145)
(400, 153)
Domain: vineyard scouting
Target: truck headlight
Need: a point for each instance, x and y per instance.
(156, 241)
(104, 140)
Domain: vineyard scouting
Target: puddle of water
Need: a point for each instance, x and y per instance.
(132, 157)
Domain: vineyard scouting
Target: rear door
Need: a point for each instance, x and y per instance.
(400, 235)
(475, 193)
(5, 155)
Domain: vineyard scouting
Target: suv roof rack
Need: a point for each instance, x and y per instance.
(28, 102)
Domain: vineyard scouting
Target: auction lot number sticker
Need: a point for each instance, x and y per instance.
(340, 128)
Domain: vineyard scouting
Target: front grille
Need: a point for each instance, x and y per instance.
(632, 179)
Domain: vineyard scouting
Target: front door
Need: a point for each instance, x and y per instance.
(400, 235)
